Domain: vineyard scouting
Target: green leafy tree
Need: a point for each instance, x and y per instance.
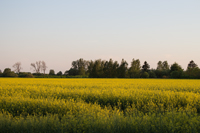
(145, 67)
(175, 67)
(8, 73)
(152, 74)
(134, 70)
(162, 69)
(79, 67)
(192, 70)
(90, 67)
(110, 69)
(59, 73)
(25, 75)
(192, 65)
(1, 73)
(51, 72)
(176, 71)
(165, 65)
(145, 75)
(122, 69)
(96, 69)
(159, 65)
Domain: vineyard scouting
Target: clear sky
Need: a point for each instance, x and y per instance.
(59, 32)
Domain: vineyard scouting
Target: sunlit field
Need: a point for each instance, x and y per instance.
(99, 105)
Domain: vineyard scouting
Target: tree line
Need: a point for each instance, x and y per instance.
(109, 69)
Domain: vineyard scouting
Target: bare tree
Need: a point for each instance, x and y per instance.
(17, 67)
(43, 67)
(37, 66)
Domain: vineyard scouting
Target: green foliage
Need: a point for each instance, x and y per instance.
(51, 72)
(79, 67)
(176, 74)
(123, 69)
(145, 75)
(8, 73)
(145, 67)
(96, 69)
(175, 67)
(192, 65)
(134, 70)
(110, 69)
(152, 74)
(25, 75)
(1, 74)
(59, 73)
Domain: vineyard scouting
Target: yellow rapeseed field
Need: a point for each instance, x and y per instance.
(99, 105)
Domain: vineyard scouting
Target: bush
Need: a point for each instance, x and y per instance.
(152, 74)
(25, 75)
(145, 75)
(8, 73)
(176, 74)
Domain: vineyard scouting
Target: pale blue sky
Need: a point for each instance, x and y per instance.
(60, 32)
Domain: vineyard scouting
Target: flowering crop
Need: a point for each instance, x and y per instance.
(99, 105)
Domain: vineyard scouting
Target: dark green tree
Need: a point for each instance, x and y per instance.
(8, 73)
(1, 73)
(110, 69)
(79, 67)
(162, 69)
(165, 65)
(25, 75)
(192, 70)
(160, 65)
(175, 67)
(59, 73)
(176, 71)
(152, 74)
(145, 67)
(192, 65)
(51, 72)
(134, 70)
(145, 75)
(96, 69)
(122, 69)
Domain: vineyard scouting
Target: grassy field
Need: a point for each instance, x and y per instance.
(99, 105)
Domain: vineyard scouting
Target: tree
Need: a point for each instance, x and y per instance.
(162, 69)
(43, 66)
(175, 67)
(122, 69)
(79, 67)
(159, 65)
(176, 71)
(17, 67)
(134, 70)
(145, 67)
(51, 72)
(110, 69)
(59, 73)
(1, 73)
(165, 66)
(96, 69)
(8, 73)
(192, 65)
(25, 75)
(145, 75)
(152, 74)
(192, 70)
(37, 66)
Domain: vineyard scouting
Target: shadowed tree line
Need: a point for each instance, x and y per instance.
(108, 69)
